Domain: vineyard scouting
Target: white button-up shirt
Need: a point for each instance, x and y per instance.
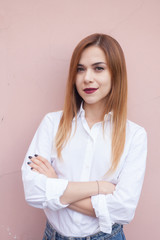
(86, 157)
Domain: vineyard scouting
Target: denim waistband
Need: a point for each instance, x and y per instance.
(53, 234)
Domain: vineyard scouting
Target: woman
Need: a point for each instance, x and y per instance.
(87, 162)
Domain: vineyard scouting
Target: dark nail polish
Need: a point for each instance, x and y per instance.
(36, 155)
(28, 163)
(30, 157)
(31, 168)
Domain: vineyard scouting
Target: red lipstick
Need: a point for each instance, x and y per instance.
(90, 90)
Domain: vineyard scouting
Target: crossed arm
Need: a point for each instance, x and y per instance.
(77, 194)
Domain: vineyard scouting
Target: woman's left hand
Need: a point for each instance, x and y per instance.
(41, 165)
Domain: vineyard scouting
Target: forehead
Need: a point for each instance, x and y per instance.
(92, 55)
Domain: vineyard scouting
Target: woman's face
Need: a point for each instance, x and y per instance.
(93, 79)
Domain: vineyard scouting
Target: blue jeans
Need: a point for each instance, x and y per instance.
(117, 234)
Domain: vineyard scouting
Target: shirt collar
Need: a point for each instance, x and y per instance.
(81, 113)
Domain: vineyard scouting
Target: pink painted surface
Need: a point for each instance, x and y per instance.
(36, 41)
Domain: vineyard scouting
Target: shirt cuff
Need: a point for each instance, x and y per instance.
(100, 206)
(54, 190)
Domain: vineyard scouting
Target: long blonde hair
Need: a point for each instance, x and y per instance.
(116, 100)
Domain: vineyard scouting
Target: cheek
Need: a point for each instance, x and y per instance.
(105, 81)
(106, 85)
(78, 84)
(109, 84)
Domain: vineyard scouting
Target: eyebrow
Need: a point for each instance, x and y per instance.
(94, 64)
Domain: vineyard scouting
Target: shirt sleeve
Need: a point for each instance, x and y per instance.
(120, 206)
(41, 191)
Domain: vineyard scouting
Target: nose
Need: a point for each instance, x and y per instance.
(88, 76)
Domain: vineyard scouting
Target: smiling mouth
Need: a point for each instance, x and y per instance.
(90, 90)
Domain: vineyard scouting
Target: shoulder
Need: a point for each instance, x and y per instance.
(134, 127)
(53, 116)
(52, 119)
(135, 131)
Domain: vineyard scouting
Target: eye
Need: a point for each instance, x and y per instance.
(99, 69)
(80, 69)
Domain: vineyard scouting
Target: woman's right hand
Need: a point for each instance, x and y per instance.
(106, 187)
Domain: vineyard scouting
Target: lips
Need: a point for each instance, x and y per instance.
(90, 90)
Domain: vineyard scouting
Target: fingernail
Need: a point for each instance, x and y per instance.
(36, 155)
(31, 168)
(30, 157)
(28, 163)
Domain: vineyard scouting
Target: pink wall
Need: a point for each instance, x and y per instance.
(36, 41)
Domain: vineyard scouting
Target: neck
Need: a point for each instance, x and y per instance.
(94, 113)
